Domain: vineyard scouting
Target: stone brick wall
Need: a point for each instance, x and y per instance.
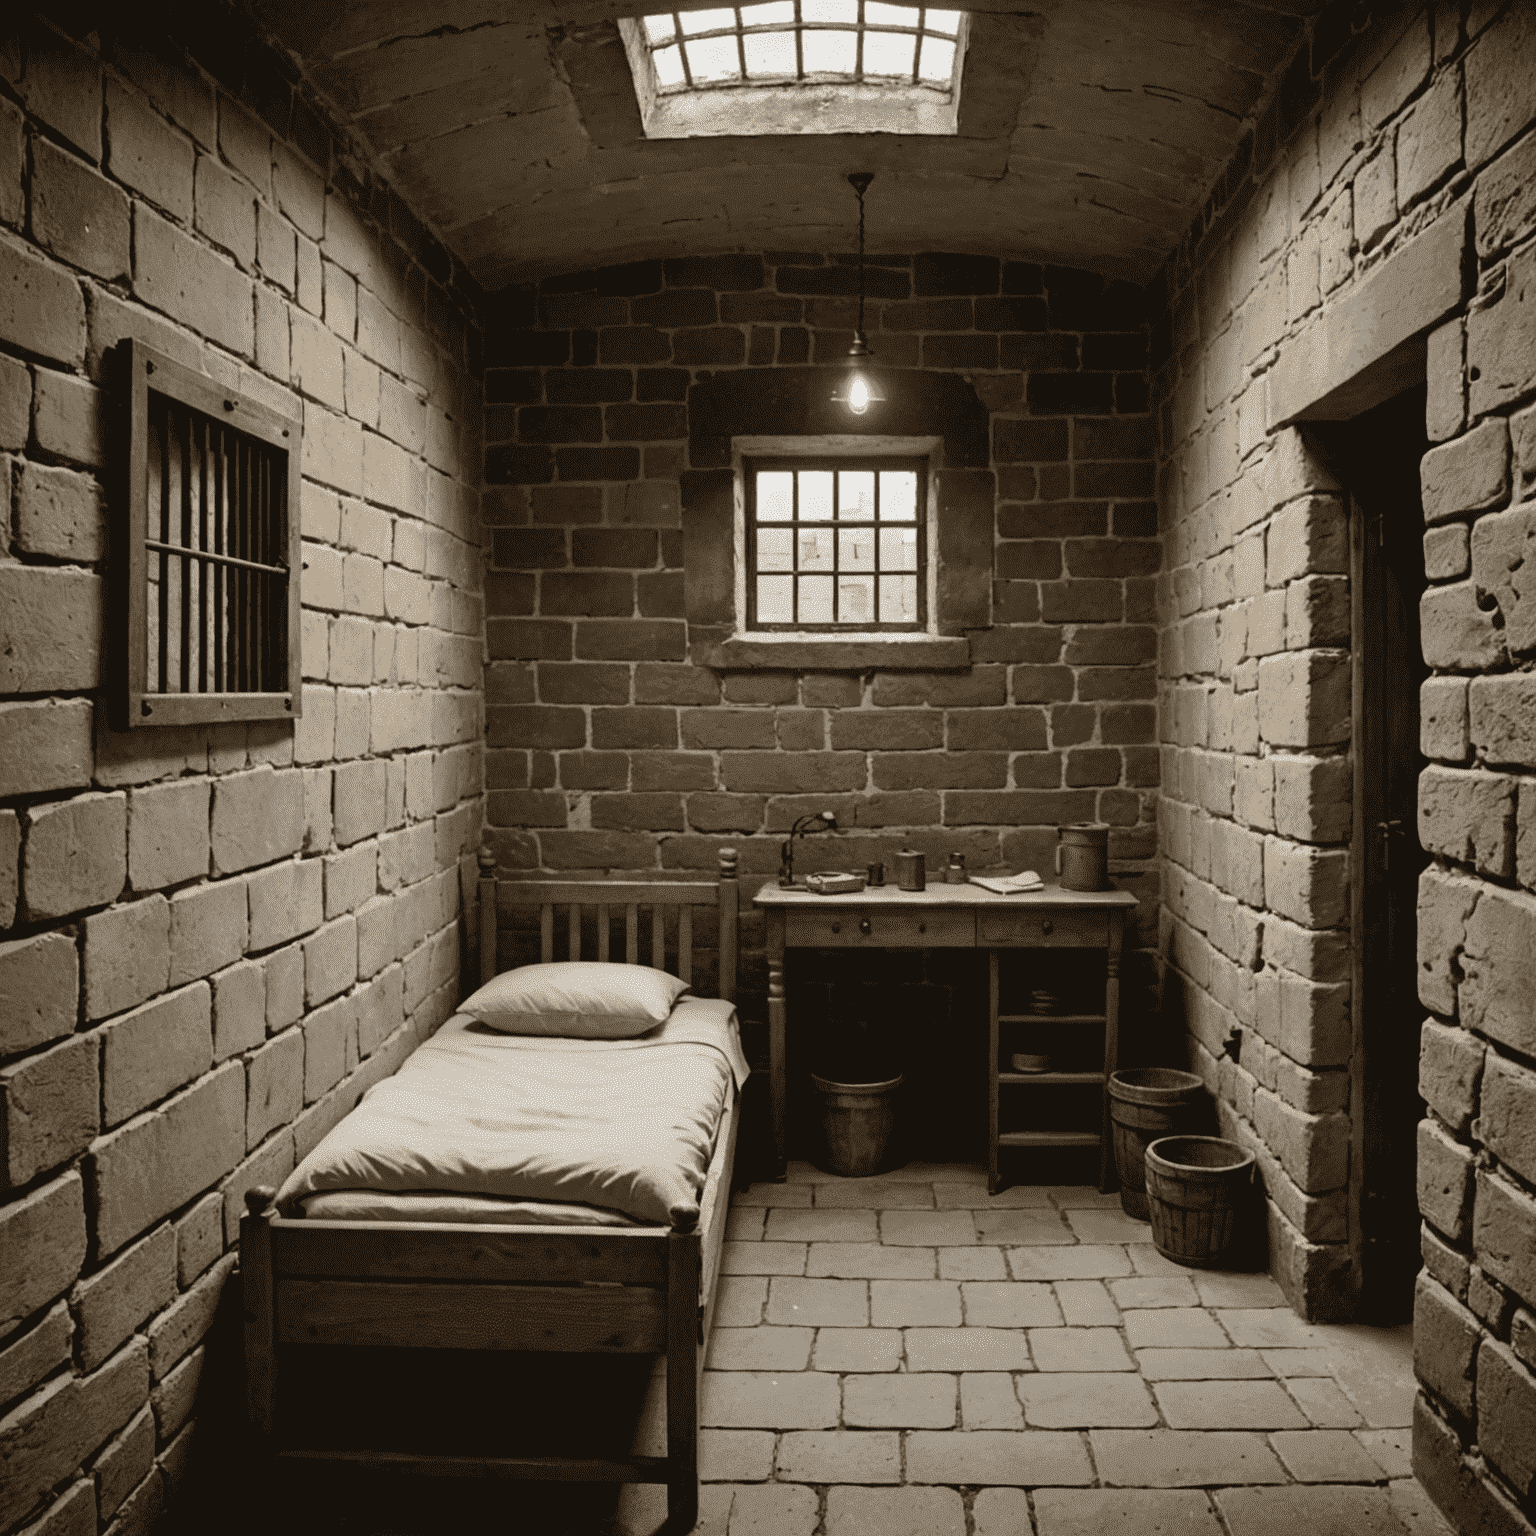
(211, 940)
(619, 737)
(1414, 129)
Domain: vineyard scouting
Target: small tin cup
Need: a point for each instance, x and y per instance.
(911, 872)
(877, 873)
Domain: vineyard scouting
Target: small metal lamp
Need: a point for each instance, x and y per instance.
(787, 847)
(860, 387)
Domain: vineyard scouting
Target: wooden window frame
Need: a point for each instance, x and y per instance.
(753, 466)
(135, 703)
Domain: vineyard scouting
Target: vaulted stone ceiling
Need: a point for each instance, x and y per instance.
(1090, 131)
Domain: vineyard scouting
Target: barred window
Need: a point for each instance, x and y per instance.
(836, 544)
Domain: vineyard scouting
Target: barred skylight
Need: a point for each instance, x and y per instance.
(798, 66)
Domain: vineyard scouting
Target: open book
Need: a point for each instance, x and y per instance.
(1010, 885)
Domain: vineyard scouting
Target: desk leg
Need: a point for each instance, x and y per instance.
(777, 1079)
(1111, 1046)
(993, 1047)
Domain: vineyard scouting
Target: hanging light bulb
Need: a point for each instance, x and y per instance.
(860, 388)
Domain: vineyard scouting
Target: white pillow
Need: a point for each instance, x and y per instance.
(581, 999)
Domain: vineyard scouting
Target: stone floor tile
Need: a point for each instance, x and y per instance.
(1029, 1228)
(988, 1401)
(1079, 1349)
(760, 1349)
(1201, 1365)
(1227, 1288)
(875, 1195)
(1228, 1405)
(817, 1303)
(973, 1197)
(1024, 1459)
(914, 1304)
(1375, 1367)
(1002, 1512)
(745, 1224)
(1086, 1304)
(1325, 1456)
(790, 1226)
(1268, 1327)
(1154, 1291)
(1084, 1262)
(768, 1400)
(946, 1173)
(1125, 1512)
(762, 1258)
(735, 1455)
(857, 1349)
(772, 1509)
(1009, 1304)
(972, 1264)
(1148, 1261)
(870, 1261)
(1173, 1328)
(1415, 1509)
(1073, 1400)
(908, 1511)
(1173, 1458)
(1319, 1510)
(1322, 1402)
(1391, 1449)
(1107, 1227)
(772, 1194)
(901, 1401)
(1073, 1197)
(840, 1456)
(739, 1301)
(932, 1229)
(1298, 1362)
(966, 1349)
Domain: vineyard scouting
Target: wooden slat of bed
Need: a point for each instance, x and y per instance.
(699, 893)
(685, 944)
(630, 1319)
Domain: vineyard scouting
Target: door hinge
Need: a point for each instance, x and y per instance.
(1387, 829)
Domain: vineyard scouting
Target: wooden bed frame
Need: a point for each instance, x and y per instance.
(529, 1288)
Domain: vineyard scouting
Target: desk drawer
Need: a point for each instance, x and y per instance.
(856, 928)
(1043, 926)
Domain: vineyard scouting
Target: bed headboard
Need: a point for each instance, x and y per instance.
(606, 897)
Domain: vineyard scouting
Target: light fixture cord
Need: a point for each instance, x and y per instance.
(860, 191)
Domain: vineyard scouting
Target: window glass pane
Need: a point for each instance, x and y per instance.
(830, 10)
(856, 599)
(898, 549)
(669, 65)
(830, 53)
(888, 53)
(815, 549)
(815, 600)
(816, 496)
(775, 496)
(775, 599)
(695, 22)
(856, 493)
(898, 496)
(942, 21)
(938, 61)
(856, 549)
(776, 12)
(898, 599)
(878, 15)
(775, 549)
(658, 29)
(770, 53)
(714, 58)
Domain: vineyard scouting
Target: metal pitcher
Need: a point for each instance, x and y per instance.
(1082, 856)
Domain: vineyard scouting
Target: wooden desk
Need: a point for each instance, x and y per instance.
(956, 917)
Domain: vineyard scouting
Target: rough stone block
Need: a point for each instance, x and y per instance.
(1503, 553)
(1450, 1069)
(42, 1246)
(1446, 552)
(1457, 633)
(256, 817)
(1444, 1182)
(1469, 816)
(285, 901)
(50, 629)
(185, 1323)
(1504, 1234)
(199, 1239)
(330, 961)
(239, 1009)
(1304, 698)
(168, 834)
(1501, 362)
(1307, 538)
(127, 955)
(1445, 1340)
(1443, 720)
(330, 1035)
(60, 513)
(44, 746)
(1502, 718)
(69, 418)
(1508, 1117)
(1312, 798)
(41, 310)
(39, 1352)
(113, 1302)
(154, 1050)
(39, 991)
(1498, 964)
(208, 930)
(175, 274)
(1444, 904)
(1313, 1149)
(1506, 1415)
(49, 1108)
(357, 805)
(1308, 885)
(76, 854)
(1499, 75)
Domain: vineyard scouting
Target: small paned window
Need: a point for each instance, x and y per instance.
(836, 544)
(208, 552)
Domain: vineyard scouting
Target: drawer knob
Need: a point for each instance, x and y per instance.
(1047, 926)
(837, 927)
(922, 927)
(863, 925)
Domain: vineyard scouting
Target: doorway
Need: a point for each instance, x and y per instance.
(1377, 456)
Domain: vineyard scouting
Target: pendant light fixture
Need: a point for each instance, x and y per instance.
(860, 387)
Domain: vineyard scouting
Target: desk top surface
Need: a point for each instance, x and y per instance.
(942, 895)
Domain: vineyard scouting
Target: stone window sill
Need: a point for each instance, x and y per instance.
(846, 653)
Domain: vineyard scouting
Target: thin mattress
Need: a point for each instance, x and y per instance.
(483, 1126)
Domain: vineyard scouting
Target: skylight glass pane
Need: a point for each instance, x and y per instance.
(830, 10)
(938, 61)
(816, 496)
(947, 22)
(669, 65)
(695, 22)
(816, 599)
(775, 496)
(877, 15)
(775, 599)
(714, 58)
(889, 53)
(658, 29)
(830, 53)
(898, 496)
(776, 13)
(770, 53)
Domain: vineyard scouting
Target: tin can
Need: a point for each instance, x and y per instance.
(877, 873)
(954, 871)
(911, 873)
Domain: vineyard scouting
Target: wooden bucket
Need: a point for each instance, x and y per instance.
(1146, 1103)
(859, 1120)
(1195, 1186)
